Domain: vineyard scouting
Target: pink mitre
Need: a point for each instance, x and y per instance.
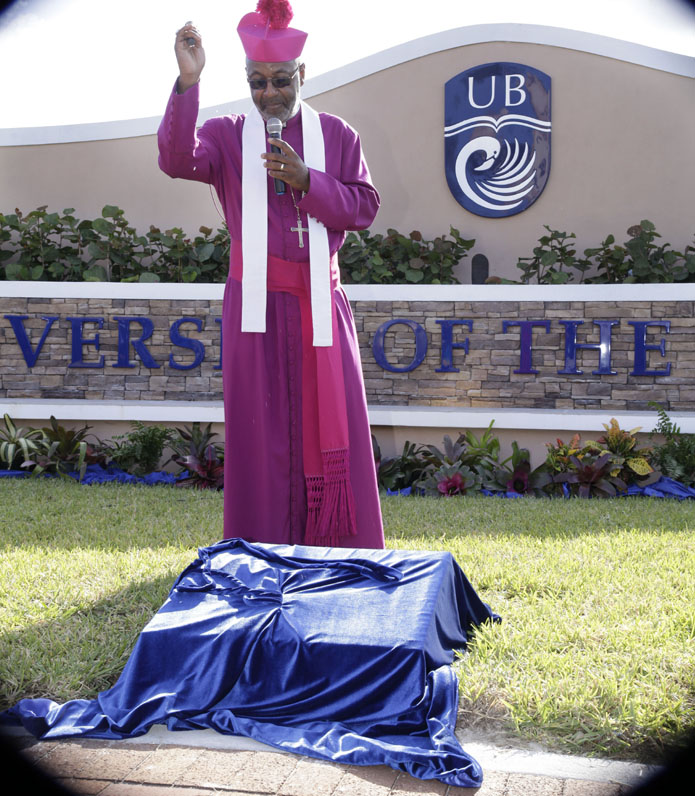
(266, 35)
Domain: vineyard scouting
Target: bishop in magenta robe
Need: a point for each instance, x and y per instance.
(265, 494)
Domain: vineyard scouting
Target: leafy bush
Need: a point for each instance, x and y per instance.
(61, 451)
(676, 456)
(600, 468)
(558, 456)
(643, 261)
(401, 472)
(395, 258)
(515, 475)
(635, 462)
(57, 247)
(553, 260)
(139, 451)
(639, 260)
(195, 452)
(42, 245)
(17, 445)
(177, 258)
(450, 479)
(592, 476)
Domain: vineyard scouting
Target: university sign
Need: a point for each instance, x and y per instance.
(132, 334)
(497, 137)
(525, 329)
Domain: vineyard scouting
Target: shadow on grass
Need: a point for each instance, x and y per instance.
(79, 654)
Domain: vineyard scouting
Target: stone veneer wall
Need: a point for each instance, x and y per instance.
(485, 377)
(51, 377)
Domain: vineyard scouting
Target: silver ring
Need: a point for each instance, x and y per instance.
(282, 167)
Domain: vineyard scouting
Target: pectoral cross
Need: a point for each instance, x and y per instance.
(300, 230)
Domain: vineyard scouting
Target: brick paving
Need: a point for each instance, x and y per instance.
(111, 768)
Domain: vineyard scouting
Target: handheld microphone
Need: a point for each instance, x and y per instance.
(274, 128)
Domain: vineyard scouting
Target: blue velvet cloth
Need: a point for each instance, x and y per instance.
(334, 653)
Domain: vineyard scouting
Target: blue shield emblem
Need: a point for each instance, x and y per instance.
(497, 137)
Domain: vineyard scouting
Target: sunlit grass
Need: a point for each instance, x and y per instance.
(594, 655)
(596, 650)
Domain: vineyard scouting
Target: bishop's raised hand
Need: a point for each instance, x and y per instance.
(190, 56)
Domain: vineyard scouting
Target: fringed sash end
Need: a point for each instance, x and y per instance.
(330, 502)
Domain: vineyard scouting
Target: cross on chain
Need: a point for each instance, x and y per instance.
(300, 230)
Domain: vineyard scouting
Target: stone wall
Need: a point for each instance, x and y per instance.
(486, 376)
(482, 376)
(52, 377)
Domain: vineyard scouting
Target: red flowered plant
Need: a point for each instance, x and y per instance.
(451, 479)
(195, 452)
(592, 476)
(515, 475)
(205, 472)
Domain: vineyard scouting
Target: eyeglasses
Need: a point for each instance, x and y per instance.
(278, 82)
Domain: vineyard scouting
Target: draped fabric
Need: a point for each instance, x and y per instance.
(338, 654)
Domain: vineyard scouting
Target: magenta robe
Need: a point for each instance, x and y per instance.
(264, 490)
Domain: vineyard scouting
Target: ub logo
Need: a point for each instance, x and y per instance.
(497, 137)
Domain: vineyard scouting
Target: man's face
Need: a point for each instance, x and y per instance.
(282, 102)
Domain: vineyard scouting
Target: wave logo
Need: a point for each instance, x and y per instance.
(497, 137)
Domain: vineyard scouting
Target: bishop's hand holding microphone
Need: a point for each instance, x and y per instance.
(283, 163)
(274, 128)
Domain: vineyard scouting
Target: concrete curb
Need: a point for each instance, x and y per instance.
(495, 758)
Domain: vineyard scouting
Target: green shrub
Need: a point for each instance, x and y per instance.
(394, 258)
(140, 450)
(57, 247)
(195, 452)
(639, 260)
(17, 445)
(675, 458)
(401, 472)
(60, 451)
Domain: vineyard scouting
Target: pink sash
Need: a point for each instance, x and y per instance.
(330, 502)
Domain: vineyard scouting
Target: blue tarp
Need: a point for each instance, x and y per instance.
(338, 654)
(96, 474)
(664, 487)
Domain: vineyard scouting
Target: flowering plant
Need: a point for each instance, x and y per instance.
(451, 479)
(400, 472)
(515, 475)
(593, 475)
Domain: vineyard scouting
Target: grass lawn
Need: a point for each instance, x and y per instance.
(595, 654)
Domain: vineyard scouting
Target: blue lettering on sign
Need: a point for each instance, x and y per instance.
(185, 342)
(30, 355)
(641, 348)
(78, 342)
(603, 347)
(124, 343)
(420, 346)
(526, 342)
(497, 137)
(448, 344)
(219, 364)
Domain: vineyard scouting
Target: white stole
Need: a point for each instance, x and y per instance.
(254, 228)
